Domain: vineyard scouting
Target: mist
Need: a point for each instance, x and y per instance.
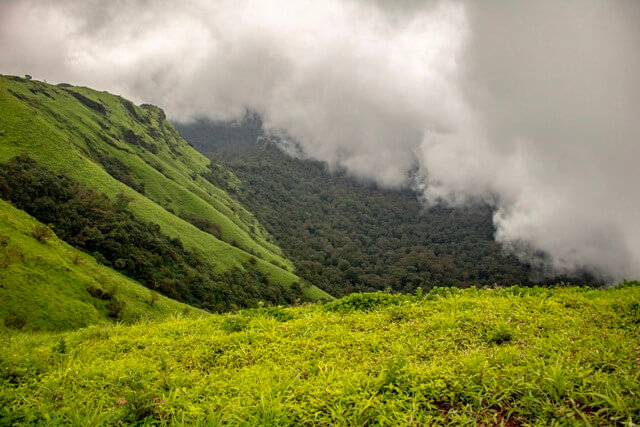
(533, 107)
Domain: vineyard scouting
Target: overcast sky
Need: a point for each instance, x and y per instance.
(532, 106)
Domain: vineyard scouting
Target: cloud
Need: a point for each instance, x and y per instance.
(555, 98)
(531, 106)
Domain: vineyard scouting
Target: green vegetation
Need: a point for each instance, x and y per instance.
(92, 222)
(114, 147)
(515, 356)
(345, 236)
(45, 284)
(83, 342)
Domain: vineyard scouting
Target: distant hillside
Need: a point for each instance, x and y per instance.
(45, 284)
(500, 357)
(345, 236)
(111, 146)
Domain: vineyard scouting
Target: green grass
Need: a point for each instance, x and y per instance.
(47, 285)
(52, 126)
(513, 356)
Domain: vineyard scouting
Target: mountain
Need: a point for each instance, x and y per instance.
(515, 356)
(344, 235)
(72, 156)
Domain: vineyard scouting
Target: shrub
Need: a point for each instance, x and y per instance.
(8, 253)
(153, 297)
(96, 291)
(203, 224)
(522, 291)
(442, 292)
(392, 377)
(634, 311)
(235, 324)
(501, 334)
(276, 263)
(134, 139)
(15, 321)
(61, 346)
(627, 284)
(363, 302)
(115, 307)
(88, 102)
(399, 314)
(41, 233)
(99, 292)
(278, 313)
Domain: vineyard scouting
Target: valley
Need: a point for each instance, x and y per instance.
(145, 283)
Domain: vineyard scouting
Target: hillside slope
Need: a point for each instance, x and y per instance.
(516, 356)
(347, 236)
(114, 147)
(48, 285)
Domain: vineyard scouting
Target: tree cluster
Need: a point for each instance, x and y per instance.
(346, 236)
(94, 223)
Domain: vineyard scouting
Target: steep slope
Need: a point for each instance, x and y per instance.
(115, 147)
(347, 236)
(516, 356)
(45, 284)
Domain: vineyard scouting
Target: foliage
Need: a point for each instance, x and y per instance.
(278, 313)
(347, 236)
(15, 321)
(501, 334)
(111, 146)
(57, 287)
(363, 302)
(203, 224)
(94, 105)
(563, 364)
(92, 222)
(41, 233)
(234, 324)
(9, 253)
(628, 284)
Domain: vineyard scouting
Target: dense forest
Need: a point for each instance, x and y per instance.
(104, 228)
(347, 236)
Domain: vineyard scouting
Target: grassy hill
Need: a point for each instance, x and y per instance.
(48, 285)
(112, 146)
(514, 356)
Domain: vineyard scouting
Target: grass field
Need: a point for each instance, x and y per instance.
(68, 129)
(515, 356)
(48, 285)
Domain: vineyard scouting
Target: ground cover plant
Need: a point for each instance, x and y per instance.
(514, 356)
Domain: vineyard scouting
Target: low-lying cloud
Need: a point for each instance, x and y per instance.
(531, 106)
